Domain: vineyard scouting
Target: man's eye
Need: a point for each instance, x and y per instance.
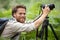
(20, 13)
(24, 13)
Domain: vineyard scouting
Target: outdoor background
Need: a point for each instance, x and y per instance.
(33, 9)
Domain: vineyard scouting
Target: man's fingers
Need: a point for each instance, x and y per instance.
(47, 7)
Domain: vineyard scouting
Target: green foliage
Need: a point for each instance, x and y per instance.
(1, 14)
(24, 1)
(4, 4)
(28, 35)
(54, 18)
(6, 13)
(34, 10)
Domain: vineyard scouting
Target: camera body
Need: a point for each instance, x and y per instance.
(51, 6)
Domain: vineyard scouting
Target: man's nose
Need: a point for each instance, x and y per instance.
(23, 15)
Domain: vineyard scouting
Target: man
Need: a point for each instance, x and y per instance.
(17, 25)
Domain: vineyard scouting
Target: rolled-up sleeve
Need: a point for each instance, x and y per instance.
(19, 27)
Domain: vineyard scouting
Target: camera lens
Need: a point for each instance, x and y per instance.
(51, 6)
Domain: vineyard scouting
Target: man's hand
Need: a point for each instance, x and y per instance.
(46, 10)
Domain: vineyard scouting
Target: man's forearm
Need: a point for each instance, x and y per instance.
(40, 20)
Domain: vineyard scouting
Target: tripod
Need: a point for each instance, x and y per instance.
(45, 27)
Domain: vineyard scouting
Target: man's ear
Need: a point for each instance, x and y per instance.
(14, 15)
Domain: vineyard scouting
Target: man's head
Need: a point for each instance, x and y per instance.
(19, 13)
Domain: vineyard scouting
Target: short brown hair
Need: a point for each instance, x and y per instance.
(14, 10)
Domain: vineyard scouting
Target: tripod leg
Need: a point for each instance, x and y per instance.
(53, 31)
(46, 32)
(37, 34)
(41, 33)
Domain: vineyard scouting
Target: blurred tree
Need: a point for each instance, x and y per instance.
(4, 4)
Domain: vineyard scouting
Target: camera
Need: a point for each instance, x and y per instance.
(51, 6)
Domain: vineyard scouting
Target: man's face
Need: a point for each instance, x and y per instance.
(20, 15)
